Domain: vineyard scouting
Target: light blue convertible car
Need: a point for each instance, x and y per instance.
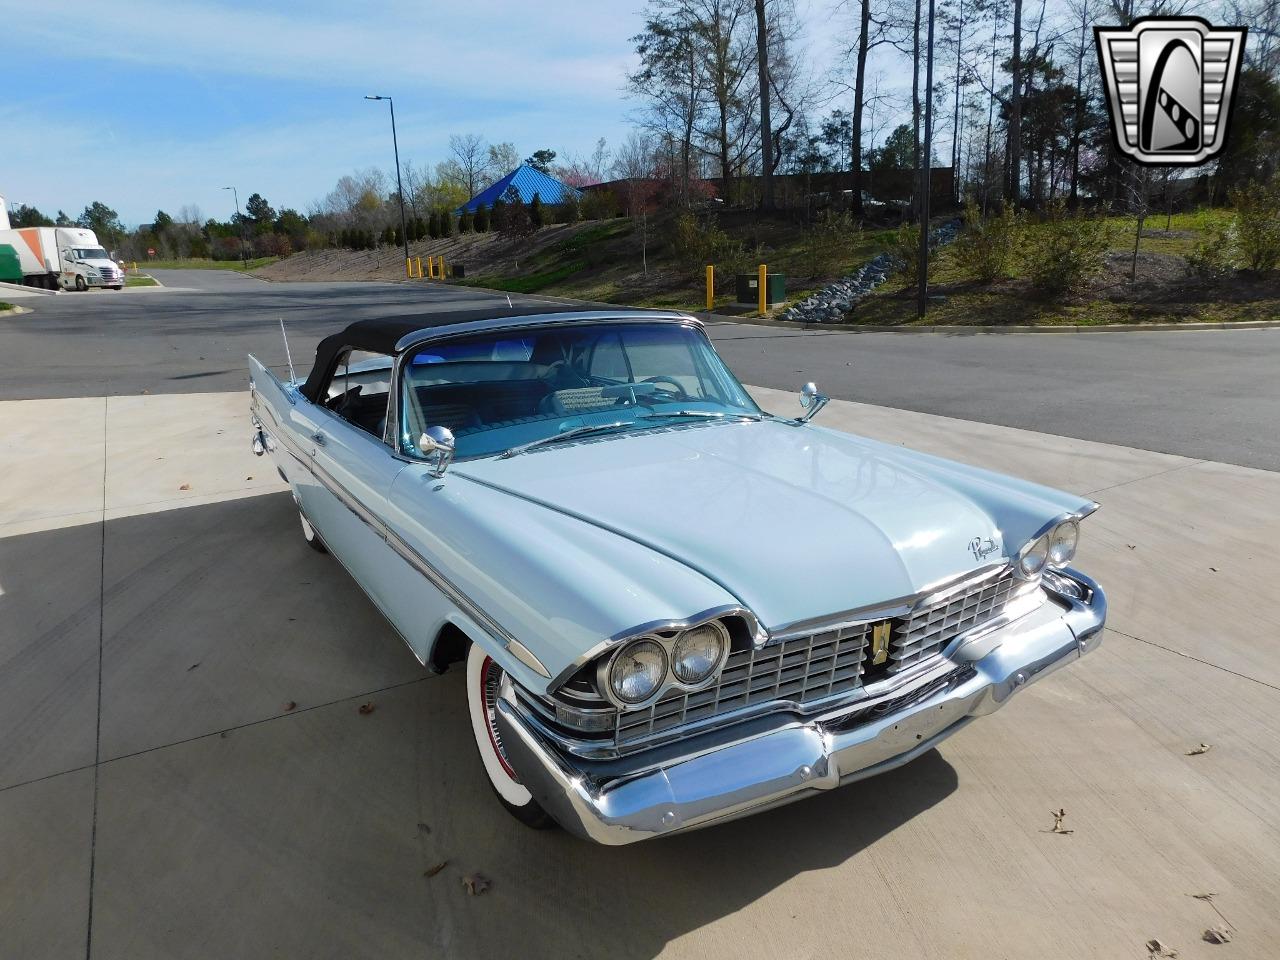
(673, 608)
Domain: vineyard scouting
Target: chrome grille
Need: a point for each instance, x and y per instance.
(924, 632)
(809, 669)
(803, 670)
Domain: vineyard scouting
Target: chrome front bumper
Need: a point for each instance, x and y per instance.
(774, 760)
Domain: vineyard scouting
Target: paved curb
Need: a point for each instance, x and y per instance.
(977, 330)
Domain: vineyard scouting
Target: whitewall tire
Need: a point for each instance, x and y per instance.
(483, 678)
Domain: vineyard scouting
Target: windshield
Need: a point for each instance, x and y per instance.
(507, 389)
(90, 253)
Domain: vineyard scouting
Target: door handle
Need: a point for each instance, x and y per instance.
(318, 438)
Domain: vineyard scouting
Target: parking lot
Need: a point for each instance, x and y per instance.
(186, 769)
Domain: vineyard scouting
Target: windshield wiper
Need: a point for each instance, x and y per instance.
(567, 435)
(702, 415)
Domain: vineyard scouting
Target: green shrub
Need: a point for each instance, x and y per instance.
(535, 211)
(987, 247)
(693, 242)
(1213, 256)
(1066, 250)
(831, 240)
(433, 225)
(904, 248)
(446, 223)
(466, 222)
(1257, 224)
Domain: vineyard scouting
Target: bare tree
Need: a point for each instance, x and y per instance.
(468, 152)
(634, 163)
(1013, 188)
(671, 83)
(766, 127)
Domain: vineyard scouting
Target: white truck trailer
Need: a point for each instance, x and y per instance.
(68, 258)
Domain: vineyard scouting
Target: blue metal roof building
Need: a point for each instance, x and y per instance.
(527, 181)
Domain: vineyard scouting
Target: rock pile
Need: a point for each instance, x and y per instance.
(833, 302)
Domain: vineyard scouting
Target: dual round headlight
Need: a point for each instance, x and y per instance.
(1056, 549)
(640, 668)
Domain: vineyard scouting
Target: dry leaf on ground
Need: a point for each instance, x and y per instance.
(366, 708)
(432, 871)
(185, 486)
(475, 884)
(290, 706)
(1158, 949)
(1196, 751)
(1217, 935)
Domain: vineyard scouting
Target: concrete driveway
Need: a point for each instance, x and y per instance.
(185, 770)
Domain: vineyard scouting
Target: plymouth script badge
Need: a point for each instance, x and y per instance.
(982, 547)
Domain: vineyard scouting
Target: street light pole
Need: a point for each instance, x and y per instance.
(244, 254)
(927, 173)
(395, 145)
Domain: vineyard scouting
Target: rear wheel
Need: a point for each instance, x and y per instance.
(310, 535)
(483, 679)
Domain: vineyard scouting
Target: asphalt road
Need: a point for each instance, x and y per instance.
(1208, 395)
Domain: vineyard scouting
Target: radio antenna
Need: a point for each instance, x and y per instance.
(288, 355)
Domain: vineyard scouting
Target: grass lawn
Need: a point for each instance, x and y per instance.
(1164, 293)
(627, 261)
(194, 263)
(140, 281)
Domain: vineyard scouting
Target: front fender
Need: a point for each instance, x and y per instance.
(556, 585)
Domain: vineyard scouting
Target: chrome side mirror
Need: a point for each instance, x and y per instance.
(437, 442)
(812, 401)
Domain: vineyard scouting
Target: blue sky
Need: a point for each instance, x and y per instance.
(176, 98)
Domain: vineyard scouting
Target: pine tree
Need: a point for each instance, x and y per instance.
(498, 216)
(466, 222)
(433, 225)
(482, 218)
(446, 223)
(535, 211)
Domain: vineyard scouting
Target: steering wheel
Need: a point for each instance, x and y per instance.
(679, 390)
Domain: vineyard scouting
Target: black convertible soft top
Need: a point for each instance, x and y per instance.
(380, 335)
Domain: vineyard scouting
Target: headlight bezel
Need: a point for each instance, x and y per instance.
(1058, 562)
(1043, 543)
(735, 626)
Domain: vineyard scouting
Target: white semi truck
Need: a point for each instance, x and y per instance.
(67, 258)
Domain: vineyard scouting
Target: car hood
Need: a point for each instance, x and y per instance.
(797, 522)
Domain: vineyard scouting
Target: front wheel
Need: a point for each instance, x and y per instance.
(483, 679)
(81, 285)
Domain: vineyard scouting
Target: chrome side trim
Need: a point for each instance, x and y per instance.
(520, 321)
(405, 551)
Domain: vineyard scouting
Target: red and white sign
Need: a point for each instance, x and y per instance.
(151, 251)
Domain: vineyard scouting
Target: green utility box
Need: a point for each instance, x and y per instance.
(775, 288)
(10, 265)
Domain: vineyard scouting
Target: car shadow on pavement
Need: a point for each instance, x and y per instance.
(278, 769)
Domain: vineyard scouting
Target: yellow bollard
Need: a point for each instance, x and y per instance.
(442, 271)
(711, 287)
(762, 282)
(408, 268)
(418, 262)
